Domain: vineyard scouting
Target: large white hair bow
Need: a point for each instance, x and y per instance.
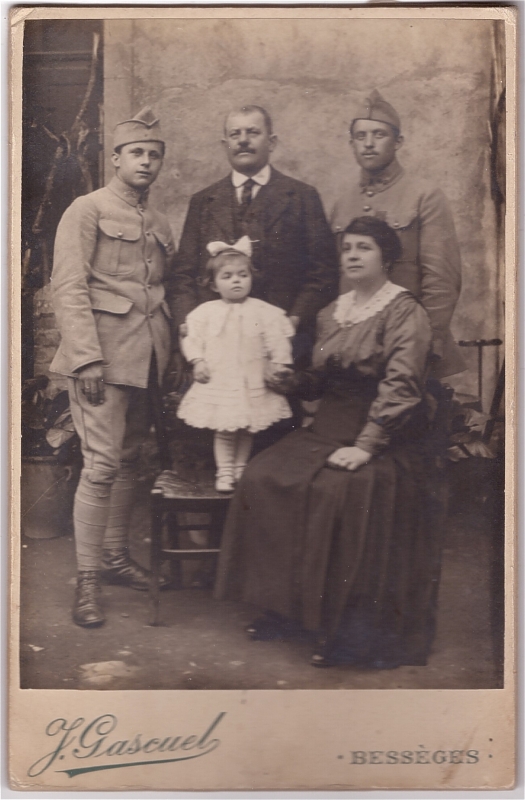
(243, 246)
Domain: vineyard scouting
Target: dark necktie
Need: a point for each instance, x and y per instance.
(246, 195)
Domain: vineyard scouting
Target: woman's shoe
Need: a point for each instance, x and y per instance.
(263, 629)
(321, 660)
(322, 654)
(270, 628)
(384, 663)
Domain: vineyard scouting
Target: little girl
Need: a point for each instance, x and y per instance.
(234, 344)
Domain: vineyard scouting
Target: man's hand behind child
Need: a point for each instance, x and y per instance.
(201, 371)
(276, 376)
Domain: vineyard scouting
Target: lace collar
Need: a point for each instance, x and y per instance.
(346, 313)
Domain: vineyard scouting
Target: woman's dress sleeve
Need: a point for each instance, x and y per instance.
(407, 343)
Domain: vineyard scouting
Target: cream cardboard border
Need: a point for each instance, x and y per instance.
(298, 740)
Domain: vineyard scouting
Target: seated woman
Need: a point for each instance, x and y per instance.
(329, 529)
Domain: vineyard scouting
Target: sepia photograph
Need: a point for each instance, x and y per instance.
(264, 284)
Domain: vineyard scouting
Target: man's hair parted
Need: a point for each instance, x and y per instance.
(250, 109)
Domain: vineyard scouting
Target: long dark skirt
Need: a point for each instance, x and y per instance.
(353, 556)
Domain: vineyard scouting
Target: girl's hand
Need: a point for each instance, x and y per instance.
(201, 371)
(350, 458)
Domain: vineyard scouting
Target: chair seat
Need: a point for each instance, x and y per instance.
(173, 487)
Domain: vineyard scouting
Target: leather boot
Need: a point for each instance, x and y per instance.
(87, 611)
(119, 568)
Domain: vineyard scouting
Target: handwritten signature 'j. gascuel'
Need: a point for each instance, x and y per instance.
(97, 739)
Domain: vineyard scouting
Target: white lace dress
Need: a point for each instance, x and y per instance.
(238, 341)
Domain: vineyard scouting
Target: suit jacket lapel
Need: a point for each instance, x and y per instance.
(274, 198)
(220, 203)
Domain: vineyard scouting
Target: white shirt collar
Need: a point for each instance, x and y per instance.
(262, 177)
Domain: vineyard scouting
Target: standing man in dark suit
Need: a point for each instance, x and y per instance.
(294, 251)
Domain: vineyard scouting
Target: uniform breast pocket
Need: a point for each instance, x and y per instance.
(401, 218)
(405, 223)
(118, 247)
(163, 241)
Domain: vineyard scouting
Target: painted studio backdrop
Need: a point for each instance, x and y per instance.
(445, 81)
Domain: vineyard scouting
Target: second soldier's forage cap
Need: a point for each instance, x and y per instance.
(376, 107)
(144, 127)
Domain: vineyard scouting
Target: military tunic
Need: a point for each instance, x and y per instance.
(112, 255)
(430, 266)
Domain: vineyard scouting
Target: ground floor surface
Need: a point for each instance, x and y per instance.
(201, 643)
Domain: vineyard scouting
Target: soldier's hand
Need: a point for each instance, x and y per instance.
(201, 371)
(91, 380)
(174, 376)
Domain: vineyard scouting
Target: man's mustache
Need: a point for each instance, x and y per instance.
(245, 150)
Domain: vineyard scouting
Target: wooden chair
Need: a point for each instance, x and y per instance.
(173, 495)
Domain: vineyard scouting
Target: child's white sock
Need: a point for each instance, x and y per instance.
(224, 452)
(243, 448)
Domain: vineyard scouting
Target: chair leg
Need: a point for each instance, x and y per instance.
(155, 558)
(217, 521)
(174, 544)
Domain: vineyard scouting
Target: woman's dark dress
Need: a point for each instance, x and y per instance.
(349, 554)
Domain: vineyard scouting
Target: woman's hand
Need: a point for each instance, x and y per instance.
(350, 458)
(201, 371)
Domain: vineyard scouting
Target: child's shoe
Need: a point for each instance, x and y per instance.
(224, 483)
(237, 472)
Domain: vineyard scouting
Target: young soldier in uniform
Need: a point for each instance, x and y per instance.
(430, 265)
(113, 253)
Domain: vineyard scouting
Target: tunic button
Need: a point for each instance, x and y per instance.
(148, 286)
(370, 193)
(367, 208)
(395, 225)
(150, 315)
(120, 233)
(148, 260)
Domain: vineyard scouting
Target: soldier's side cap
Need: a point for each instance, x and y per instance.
(376, 107)
(144, 127)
